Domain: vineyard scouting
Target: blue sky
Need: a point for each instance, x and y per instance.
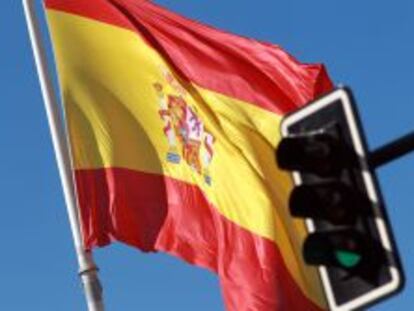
(365, 44)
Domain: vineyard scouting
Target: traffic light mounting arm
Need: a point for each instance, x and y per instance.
(392, 151)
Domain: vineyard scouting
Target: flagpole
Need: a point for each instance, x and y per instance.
(88, 271)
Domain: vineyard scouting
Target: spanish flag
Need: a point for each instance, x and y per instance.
(173, 127)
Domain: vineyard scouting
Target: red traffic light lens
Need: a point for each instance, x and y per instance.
(318, 153)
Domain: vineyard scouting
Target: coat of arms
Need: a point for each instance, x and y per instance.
(187, 137)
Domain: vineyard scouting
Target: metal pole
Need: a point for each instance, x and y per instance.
(87, 268)
(392, 151)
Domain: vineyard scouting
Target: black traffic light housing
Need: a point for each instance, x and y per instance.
(337, 193)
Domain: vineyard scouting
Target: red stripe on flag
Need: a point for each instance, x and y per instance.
(249, 70)
(153, 212)
(100, 10)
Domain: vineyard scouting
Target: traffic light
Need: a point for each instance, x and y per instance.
(336, 191)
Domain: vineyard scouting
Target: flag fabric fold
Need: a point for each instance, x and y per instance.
(172, 126)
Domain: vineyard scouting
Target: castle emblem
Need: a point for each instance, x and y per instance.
(188, 140)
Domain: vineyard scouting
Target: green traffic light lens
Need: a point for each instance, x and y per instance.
(348, 259)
